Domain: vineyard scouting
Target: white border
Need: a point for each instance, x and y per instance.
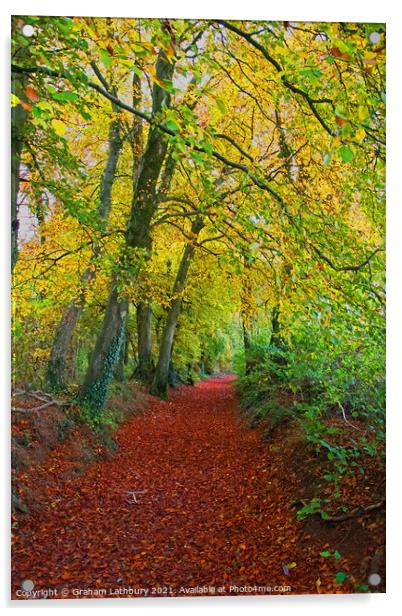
(341, 10)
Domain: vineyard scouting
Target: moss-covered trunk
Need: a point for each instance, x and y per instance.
(145, 367)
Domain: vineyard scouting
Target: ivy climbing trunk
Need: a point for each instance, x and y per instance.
(105, 354)
(137, 243)
(160, 380)
(64, 332)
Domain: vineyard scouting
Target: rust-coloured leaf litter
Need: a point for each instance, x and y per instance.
(193, 502)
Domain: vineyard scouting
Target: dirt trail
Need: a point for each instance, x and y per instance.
(210, 511)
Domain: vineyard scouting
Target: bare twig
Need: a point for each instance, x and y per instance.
(346, 419)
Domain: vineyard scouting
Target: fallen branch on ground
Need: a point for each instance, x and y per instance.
(43, 397)
(18, 409)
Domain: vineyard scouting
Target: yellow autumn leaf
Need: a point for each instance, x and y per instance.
(280, 51)
(362, 112)
(360, 134)
(14, 100)
(170, 53)
(59, 127)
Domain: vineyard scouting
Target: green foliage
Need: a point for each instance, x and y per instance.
(333, 370)
(341, 577)
(346, 153)
(327, 554)
(314, 506)
(98, 421)
(260, 388)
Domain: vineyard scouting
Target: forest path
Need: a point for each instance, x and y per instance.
(210, 511)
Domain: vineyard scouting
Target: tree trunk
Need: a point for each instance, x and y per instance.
(276, 339)
(115, 144)
(246, 294)
(16, 149)
(275, 335)
(138, 237)
(145, 367)
(119, 368)
(18, 122)
(55, 377)
(106, 354)
(247, 346)
(66, 327)
(160, 381)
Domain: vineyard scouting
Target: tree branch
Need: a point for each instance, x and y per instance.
(310, 101)
(345, 268)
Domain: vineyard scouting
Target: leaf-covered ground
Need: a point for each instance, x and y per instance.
(213, 510)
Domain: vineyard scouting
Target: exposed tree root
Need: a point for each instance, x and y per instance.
(355, 513)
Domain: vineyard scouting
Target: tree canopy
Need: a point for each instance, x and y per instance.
(186, 189)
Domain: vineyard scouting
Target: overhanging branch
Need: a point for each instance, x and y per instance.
(345, 268)
(312, 102)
